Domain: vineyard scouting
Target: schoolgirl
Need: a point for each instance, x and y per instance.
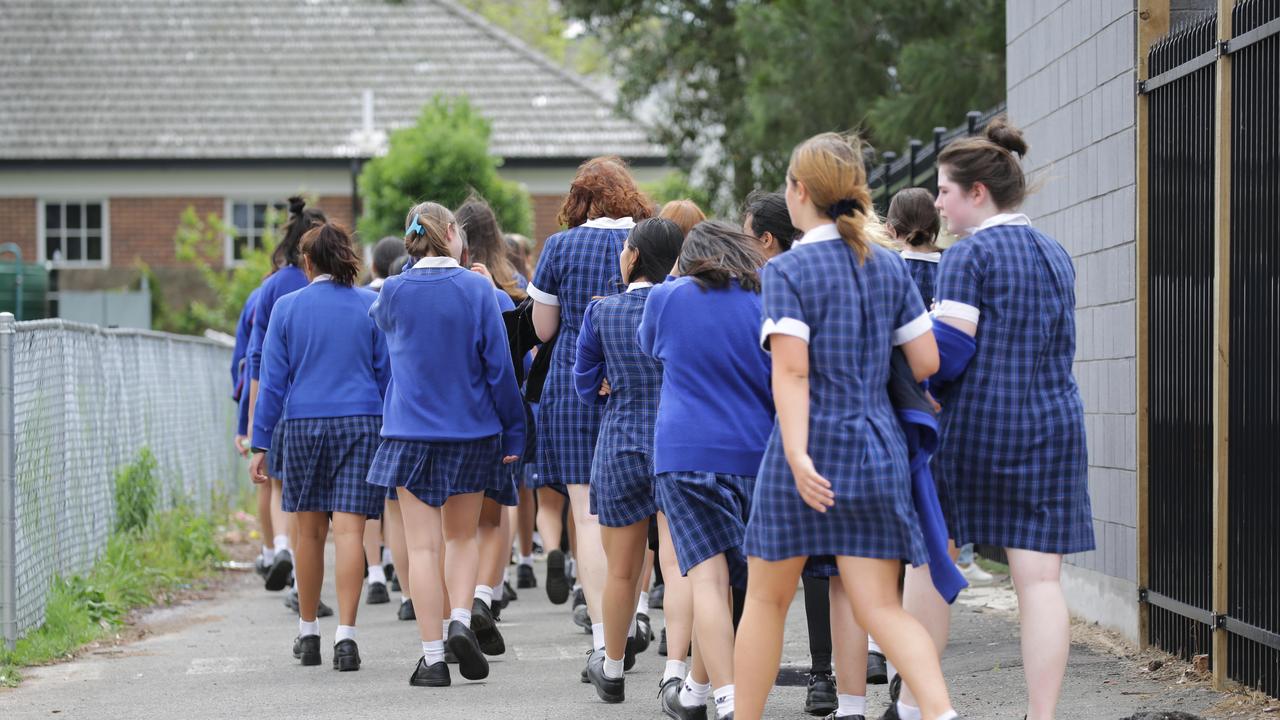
(835, 479)
(913, 222)
(240, 393)
(610, 370)
(324, 372)
(712, 426)
(1011, 461)
(452, 414)
(526, 514)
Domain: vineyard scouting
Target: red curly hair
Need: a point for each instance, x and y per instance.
(603, 187)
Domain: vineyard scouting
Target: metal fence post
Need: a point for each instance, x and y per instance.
(8, 489)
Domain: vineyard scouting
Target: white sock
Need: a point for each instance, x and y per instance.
(724, 700)
(612, 668)
(377, 575)
(949, 715)
(851, 705)
(386, 557)
(484, 593)
(576, 587)
(634, 628)
(643, 605)
(571, 568)
(433, 651)
(537, 539)
(345, 632)
(675, 669)
(404, 599)
(268, 554)
(444, 628)
(597, 636)
(504, 577)
(694, 693)
(308, 628)
(526, 560)
(873, 646)
(282, 542)
(462, 615)
(907, 712)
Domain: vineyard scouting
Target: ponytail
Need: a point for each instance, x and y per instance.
(831, 168)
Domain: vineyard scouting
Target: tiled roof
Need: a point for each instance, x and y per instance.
(276, 79)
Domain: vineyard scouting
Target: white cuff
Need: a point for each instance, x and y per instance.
(542, 297)
(957, 310)
(785, 326)
(913, 329)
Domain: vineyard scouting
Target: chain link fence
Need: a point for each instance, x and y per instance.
(77, 402)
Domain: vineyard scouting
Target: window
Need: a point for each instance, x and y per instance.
(249, 221)
(74, 232)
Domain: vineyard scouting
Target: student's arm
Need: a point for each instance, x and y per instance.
(543, 290)
(589, 365)
(495, 354)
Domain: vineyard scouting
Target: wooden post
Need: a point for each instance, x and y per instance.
(1222, 341)
(1153, 24)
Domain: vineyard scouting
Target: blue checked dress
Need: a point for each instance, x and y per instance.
(851, 316)
(1012, 461)
(924, 271)
(622, 467)
(575, 266)
(328, 459)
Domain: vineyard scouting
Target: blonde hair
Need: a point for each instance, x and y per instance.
(433, 239)
(831, 169)
(684, 213)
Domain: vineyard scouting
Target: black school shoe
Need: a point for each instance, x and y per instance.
(485, 629)
(277, 577)
(662, 643)
(291, 602)
(508, 593)
(877, 669)
(581, 616)
(307, 649)
(644, 632)
(406, 611)
(557, 584)
(346, 656)
(377, 594)
(261, 566)
(895, 690)
(425, 675)
(821, 697)
(669, 701)
(471, 661)
(394, 583)
(834, 716)
(610, 690)
(525, 577)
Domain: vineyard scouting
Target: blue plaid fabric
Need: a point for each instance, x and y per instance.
(506, 488)
(436, 471)
(707, 513)
(275, 454)
(852, 315)
(1012, 460)
(575, 266)
(325, 464)
(925, 275)
(622, 468)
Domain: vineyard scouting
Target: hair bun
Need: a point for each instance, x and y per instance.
(296, 204)
(1000, 132)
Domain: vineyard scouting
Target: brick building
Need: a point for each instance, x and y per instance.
(232, 106)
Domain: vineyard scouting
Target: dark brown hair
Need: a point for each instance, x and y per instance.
(658, 242)
(716, 252)
(830, 167)
(990, 160)
(329, 249)
(487, 245)
(435, 220)
(603, 187)
(768, 213)
(301, 219)
(913, 217)
(518, 252)
(684, 213)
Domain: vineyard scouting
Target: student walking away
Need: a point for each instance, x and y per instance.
(913, 222)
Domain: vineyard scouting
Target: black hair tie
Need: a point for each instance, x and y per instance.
(847, 206)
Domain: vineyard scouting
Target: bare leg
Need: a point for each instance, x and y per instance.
(677, 605)
(461, 514)
(770, 588)
(1046, 627)
(422, 533)
(624, 550)
(921, 599)
(264, 514)
(372, 542)
(526, 513)
(848, 643)
(550, 506)
(713, 618)
(393, 531)
(494, 545)
(589, 550)
(348, 533)
(309, 561)
(279, 518)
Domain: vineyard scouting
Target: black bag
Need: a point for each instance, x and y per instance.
(523, 338)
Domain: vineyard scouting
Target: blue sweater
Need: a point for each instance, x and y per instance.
(323, 357)
(277, 285)
(240, 363)
(451, 372)
(716, 410)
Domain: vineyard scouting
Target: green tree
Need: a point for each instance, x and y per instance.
(443, 157)
(540, 24)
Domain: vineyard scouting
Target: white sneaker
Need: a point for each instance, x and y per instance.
(976, 576)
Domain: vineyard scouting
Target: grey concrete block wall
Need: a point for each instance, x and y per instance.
(1071, 87)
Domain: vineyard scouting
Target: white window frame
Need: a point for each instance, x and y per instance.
(42, 234)
(228, 217)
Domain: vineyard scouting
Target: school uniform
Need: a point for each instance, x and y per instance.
(506, 481)
(278, 284)
(1012, 460)
(850, 315)
(622, 467)
(239, 364)
(714, 415)
(923, 267)
(575, 265)
(324, 370)
(452, 408)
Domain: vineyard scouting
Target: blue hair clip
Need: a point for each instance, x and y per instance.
(416, 228)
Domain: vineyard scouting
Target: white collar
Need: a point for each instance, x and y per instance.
(823, 232)
(623, 223)
(1002, 219)
(325, 277)
(932, 257)
(376, 283)
(436, 261)
(639, 284)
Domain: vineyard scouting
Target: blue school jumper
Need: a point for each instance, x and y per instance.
(1012, 460)
(923, 267)
(324, 370)
(452, 407)
(622, 468)
(575, 265)
(240, 364)
(714, 415)
(277, 285)
(851, 316)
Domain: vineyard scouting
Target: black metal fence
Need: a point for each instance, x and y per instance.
(1182, 146)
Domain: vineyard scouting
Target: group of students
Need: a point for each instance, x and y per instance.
(815, 394)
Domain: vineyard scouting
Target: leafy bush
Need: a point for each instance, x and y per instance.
(136, 492)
